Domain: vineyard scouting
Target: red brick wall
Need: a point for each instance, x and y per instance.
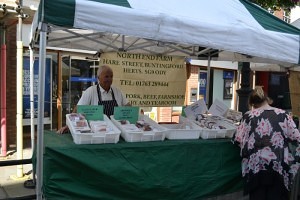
(11, 84)
(192, 82)
(279, 13)
(164, 114)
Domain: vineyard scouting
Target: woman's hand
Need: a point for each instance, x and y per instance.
(63, 130)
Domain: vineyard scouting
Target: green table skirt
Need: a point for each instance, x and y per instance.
(171, 169)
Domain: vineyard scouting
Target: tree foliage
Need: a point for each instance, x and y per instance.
(276, 4)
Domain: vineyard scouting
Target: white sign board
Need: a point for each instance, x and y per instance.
(199, 107)
(218, 108)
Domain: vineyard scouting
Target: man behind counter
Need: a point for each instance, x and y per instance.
(102, 94)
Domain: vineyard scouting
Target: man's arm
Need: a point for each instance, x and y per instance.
(86, 97)
(65, 128)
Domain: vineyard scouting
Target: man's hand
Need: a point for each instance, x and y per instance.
(63, 130)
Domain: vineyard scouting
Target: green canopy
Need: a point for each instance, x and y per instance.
(238, 29)
(235, 30)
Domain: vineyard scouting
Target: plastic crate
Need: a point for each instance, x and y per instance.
(218, 133)
(111, 136)
(186, 129)
(230, 130)
(138, 135)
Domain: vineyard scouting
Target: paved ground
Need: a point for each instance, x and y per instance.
(11, 186)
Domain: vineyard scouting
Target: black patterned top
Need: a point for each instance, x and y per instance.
(269, 140)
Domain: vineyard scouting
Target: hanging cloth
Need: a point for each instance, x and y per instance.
(108, 105)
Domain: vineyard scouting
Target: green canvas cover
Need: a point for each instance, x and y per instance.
(236, 26)
(178, 169)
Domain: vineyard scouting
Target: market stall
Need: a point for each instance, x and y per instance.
(235, 30)
(170, 169)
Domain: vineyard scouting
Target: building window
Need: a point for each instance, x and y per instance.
(271, 11)
(193, 97)
(227, 89)
(228, 84)
(286, 17)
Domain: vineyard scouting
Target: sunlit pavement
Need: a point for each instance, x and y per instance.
(12, 186)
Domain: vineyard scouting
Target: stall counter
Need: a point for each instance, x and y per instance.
(170, 169)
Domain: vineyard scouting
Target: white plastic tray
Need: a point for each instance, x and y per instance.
(218, 133)
(111, 136)
(181, 131)
(231, 129)
(157, 134)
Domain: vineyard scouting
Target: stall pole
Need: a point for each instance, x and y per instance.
(59, 91)
(31, 70)
(3, 95)
(208, 82)
(41, 96)
(32, 115)
(19, 97)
